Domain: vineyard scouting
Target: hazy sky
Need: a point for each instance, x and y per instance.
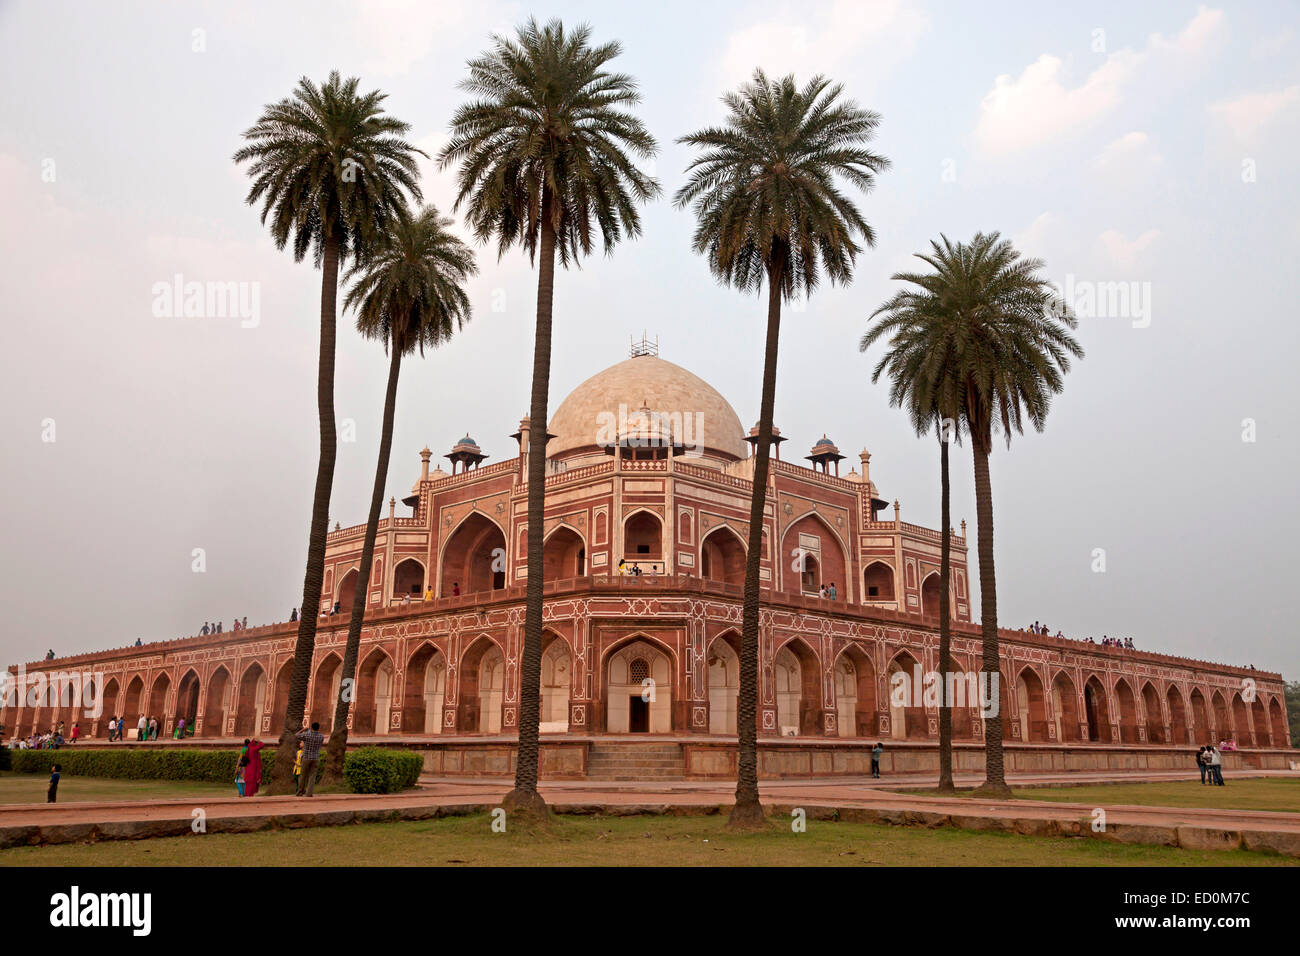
(1153, 144)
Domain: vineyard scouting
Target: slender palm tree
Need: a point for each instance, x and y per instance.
(329, 167)
(409, 294)
(1012, 345)
(766, 190)
(546, 152)
(921, 362)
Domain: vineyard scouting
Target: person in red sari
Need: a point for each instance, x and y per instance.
(253, 772)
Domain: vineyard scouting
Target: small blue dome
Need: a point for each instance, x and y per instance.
(823, 441)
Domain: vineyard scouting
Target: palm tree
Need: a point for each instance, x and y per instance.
(409, 294)
(925, 380)
(328, 166)
(1011, 343)
(769, 208)
(544, 163)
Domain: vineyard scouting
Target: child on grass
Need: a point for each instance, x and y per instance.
(52, 794)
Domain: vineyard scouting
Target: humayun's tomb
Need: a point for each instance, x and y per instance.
(649, 466)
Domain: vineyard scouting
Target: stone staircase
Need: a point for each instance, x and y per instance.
(635, 761)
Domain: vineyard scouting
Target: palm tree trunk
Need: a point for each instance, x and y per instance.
(945, 626)
(282, 775)
(524, 798)
(995, 780)
(748, 811)
(338, 744)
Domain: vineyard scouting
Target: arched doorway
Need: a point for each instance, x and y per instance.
(426, 688)
(471, 715)
(555, 685)
(1155, 723)
(724, 683)
(325, 691)
(252, 701)
(158, 698)
(131, 709)
(1200, 718)
(564, 555)
(217, 706)
(906, 711)
(798, 689)
(855, 693)
(1241, 723)
(1259, 718)
(878, 582)
(643, 541)
(1126, 704)
(1177, 715)
(474, 558)
(1032, 706)
(962, 693)
(810, 548)
(1094, 703)
(187, 701)
(111, 691)
(639, 690)
(930, 589)
(722, 557)
(408, 579)
(374, 699)
(346, 594)
(1278, 721)
(1065, 708)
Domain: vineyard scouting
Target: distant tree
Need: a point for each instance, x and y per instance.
(1292, 694)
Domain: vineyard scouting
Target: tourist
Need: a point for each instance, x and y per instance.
(253, 769)
(311, 743)
(1216, 767)
(52, 795)
(49, 655)
(204, 630)
(76, 731)
(245, 622)
(241, 766)
(180, 728)
(153, 728)
(406, 600)
(455, 585)
(876, 751)
(138, 642)
(112, 728)
(1202, 761)
(428, 593)
(830, 591)
(293, 615)
(297, 768)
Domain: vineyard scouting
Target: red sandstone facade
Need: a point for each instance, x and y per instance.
(441, 647)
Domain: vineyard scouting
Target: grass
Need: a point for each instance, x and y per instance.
(1257, 793)
(31, 787)
(621, 841)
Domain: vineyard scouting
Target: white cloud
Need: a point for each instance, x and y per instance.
(1035, 234)
(821, 40)
(1125, 251)
(1249, 114)
(1040, 105)
(1132, 152)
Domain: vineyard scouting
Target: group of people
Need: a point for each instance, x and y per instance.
(248, 769)
(634, 570)
(50, 740)
(1210, 762)
(146, 728)
(218, 627)
(828, 591)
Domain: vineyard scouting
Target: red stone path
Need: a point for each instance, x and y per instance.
(826, 799)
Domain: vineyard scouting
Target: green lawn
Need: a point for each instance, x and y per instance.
(620, 841)
(1258, 793)
(31, 787)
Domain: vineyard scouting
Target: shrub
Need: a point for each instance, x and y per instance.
(5, 762)
(374, 770)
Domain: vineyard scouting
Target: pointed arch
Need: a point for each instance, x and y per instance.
(1259, 723)
(1031, 704)
(638, 686)
(823, 552)
(722, 556)
(1277, 718)
(217, 706)
(112, 690)
(930, 588)
(424, 690)
(906, 712)
(481, 686)
(325, 687)
(877, 582)
(1065, 707)
(723, 661)
(1177, 715)
(345, 595)
(1126, 706)
(470, 557)
(1096, 710)
(187, 701)
(374, 698)
(1155, 722)
(1201, 733)
(643, 537)
(855, 693)
(557, 666)
(252, 700)
(564, 554)
(408, 578)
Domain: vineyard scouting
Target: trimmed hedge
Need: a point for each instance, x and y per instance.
(5, 763)
(396, 770)
(374, 770)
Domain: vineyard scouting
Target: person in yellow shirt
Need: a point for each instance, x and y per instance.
(428, 594)
(297, 767)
